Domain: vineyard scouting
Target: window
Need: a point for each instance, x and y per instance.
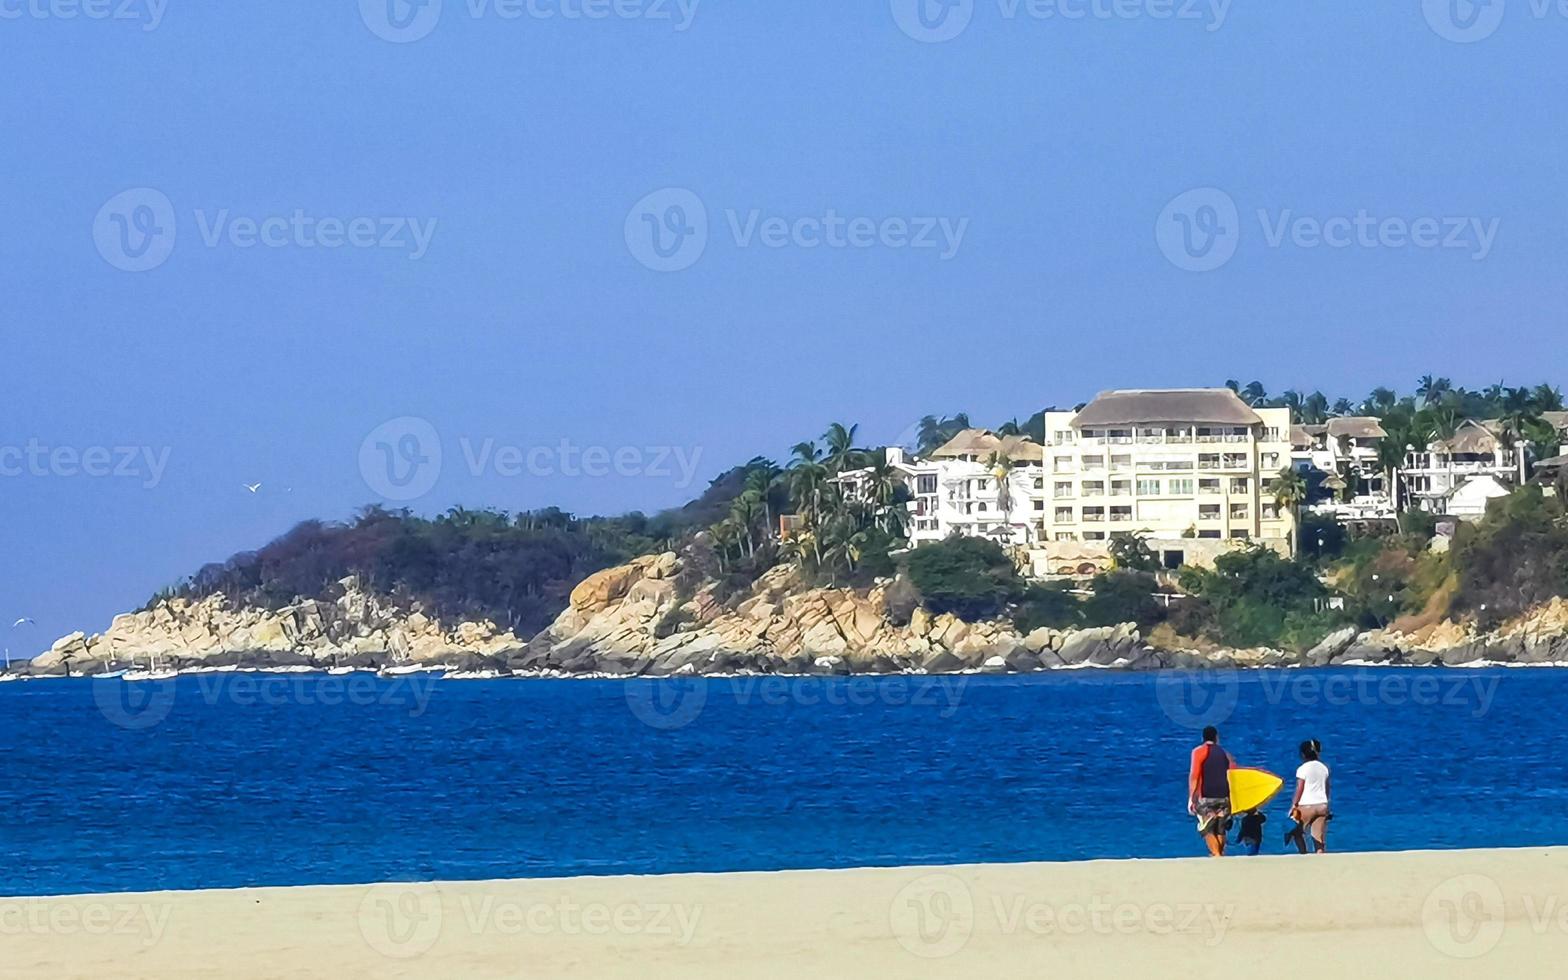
(1271, 461)
(982, 508)
(1094, 462)
(1271, 434)
(1209, 535)
(1066, 536)
(1240, 485)
(1208, 486)
(1238, 512)
(1270, 512)
(1209, 461)
(1094, 488)
(1039, 483)
(1094, 514)
(1121, 514)
(1241, 535)
(926, 484)
(1064, 489)
(1063, 464)
(1064, 515)
(1148, 488)
(1039, 505)
(1094, 535)
(1121, 462)
(1181, 488)
(1208, 512)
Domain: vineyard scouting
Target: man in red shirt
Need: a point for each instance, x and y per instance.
(1208, 790)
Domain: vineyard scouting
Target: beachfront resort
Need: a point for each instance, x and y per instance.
(1196, 472)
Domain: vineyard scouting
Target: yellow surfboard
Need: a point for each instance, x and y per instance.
(1251, 788)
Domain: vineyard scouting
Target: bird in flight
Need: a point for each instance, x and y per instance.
(19, 622)
(253, 487)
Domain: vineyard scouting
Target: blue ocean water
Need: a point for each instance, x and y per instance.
(240, 779)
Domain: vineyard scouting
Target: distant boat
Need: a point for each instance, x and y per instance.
(407, 669)
(6, 678)
(340, 671)
(152, 673)
(109, 674)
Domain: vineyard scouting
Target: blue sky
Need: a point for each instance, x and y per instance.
(1007, 207)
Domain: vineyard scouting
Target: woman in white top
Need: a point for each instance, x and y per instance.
(1310, 808)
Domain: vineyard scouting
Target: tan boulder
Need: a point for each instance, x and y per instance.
(602, 588)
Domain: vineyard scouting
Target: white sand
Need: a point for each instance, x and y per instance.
(1426, 914)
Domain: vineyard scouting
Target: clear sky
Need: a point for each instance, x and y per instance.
(463, 198)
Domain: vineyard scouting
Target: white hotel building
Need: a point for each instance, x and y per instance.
(1189, 469)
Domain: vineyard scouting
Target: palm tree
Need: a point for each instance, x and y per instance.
(1010, 428)
(1289, 490)
(1547, 398)
(1381, 401)
(1343, 407)
(842, 454)
(1314, 409)
(761, 475)
(1001, 467)
(1255, 394)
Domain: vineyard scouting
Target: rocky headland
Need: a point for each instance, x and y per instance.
(646, 618)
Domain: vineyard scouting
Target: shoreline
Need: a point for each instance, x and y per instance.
(458, 674)
(1429, 913)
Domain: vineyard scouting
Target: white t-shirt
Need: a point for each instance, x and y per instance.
(1314, 776)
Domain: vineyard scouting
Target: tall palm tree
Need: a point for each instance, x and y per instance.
(1001, 467)
(1314, 409)
(1255, 394)
(842, 454)
(1289, 490)
(761, 477)
(1343, 407)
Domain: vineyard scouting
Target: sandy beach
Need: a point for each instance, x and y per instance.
(1430, 914)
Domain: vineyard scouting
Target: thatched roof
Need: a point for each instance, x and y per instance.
(1356, 427)
(1557, 420)
(981, 443)
(1472, 438)
(1301, 436)
(1204, 406)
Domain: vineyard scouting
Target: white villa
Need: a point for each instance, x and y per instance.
(958, 488)
(1344, 451)
(1478, 453)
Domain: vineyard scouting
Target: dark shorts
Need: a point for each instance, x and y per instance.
(1212, 814)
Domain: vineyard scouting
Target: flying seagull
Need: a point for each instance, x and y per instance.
(19, 622)
(253, 487)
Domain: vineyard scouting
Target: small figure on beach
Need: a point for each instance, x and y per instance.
(1249, 837)
(1208, 790)
(1310, 807)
